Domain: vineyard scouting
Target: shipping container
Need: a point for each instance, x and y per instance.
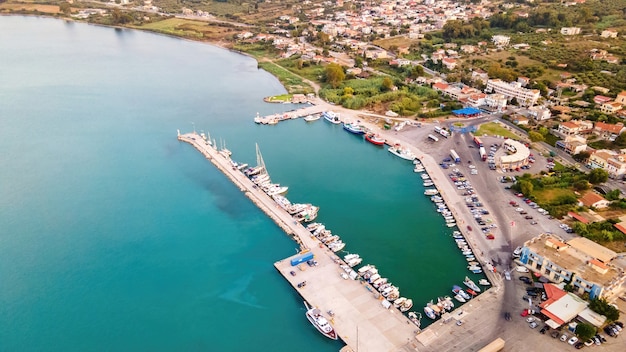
(301, 258)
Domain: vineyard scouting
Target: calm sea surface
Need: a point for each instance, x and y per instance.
(115, 236)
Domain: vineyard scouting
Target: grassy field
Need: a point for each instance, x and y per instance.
(495, 129)
(398, 41)
(51, 9)
(500, 57)
(187, 29)
(548, 195)
(292, 83)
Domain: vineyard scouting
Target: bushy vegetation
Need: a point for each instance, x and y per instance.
(554, 192)
(603, 231)
(372, 92)
(601, 306)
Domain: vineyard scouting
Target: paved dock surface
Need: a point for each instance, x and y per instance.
(357, 312)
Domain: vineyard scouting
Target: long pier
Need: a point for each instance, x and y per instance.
(358, 314)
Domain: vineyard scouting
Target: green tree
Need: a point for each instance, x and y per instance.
(526, 187)
(620, 141)
(601, 306)
(612, 195)
(581, 157)
(597, 176)
(585, 331)
(334, 74)
(535, 136)
(387, 83)
(581, 185)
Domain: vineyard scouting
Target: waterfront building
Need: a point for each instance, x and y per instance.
(525, 97)
(580, 263)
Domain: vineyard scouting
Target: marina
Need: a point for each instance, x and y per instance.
(355, 304)
(324, 247)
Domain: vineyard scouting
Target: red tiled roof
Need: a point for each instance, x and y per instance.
(578, 217)
(591, 198)
(598, 263)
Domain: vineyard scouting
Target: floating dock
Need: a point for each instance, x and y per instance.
(358, 314)
(289, 115)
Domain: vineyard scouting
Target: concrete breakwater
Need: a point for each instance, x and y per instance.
(359, 317)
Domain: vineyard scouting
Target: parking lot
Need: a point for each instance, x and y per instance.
(512, 220)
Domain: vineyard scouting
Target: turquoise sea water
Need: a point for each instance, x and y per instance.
(115, 236)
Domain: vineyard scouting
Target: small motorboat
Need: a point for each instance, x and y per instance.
(430, 313)
(408, 304)
(484, 282)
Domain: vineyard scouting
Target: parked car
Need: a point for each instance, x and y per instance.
(563, 338)
(554, 334)
(507, 275)
(526, 279)
(521, 269)
(544, 329)
(532, 325)
(572, 341)
(579, 345)
(507, 316)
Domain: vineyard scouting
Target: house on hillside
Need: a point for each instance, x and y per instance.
(610, 107)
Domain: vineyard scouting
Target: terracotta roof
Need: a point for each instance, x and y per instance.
(590, 198)
(598, 263)
(609, 127)
(556, 242)
(440, 86)
(578, 217)
(569, 124)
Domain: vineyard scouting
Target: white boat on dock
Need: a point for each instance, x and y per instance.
(431, 192)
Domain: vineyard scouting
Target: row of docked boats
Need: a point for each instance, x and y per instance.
(325, 236)
(391, 293)
(472, 262)
(261, 179)
(442, 208)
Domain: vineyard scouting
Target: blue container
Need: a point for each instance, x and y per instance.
(301, 258)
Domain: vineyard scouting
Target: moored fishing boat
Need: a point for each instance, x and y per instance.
(484, 282)
(401, 152)
(331, 117)
(374, 139)
(353, 128)
(322, 325)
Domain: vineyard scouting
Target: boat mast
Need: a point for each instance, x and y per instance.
(259, 160)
